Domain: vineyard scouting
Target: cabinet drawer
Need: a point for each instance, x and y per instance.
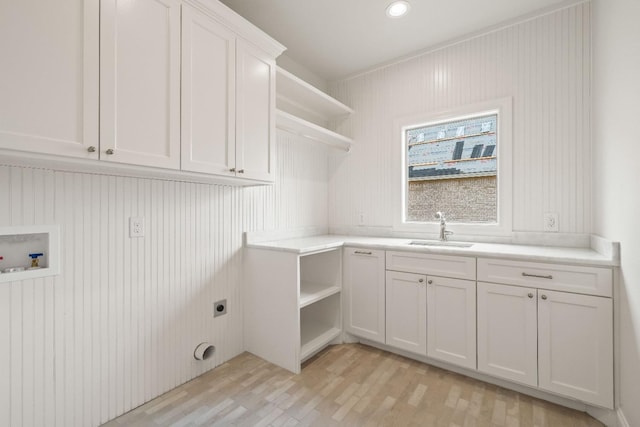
(569, 278)
(457, 267)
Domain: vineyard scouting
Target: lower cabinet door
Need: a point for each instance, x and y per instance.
(451, 320)
(575, 335)
(364, 293)
(507, 332)
(406, 311)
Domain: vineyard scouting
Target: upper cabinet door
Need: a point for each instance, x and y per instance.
(140, 82)
(49, 76)
(208, 95)
(255, 121)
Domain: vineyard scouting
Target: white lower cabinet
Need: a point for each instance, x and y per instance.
(432, 315)
(575, 346)
(451, 320)
(558, 341)
(508, 324)
(364, 293)
(507, 332)
(406, 312)
(292, 304)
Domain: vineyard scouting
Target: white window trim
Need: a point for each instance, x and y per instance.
(504, 226)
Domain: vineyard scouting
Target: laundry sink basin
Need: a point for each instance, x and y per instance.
(440, 243)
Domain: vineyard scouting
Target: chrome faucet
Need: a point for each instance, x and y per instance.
(443, 226)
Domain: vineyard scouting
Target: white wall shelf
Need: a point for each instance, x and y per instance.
(296, 125)
(311, 292)
(295, 93)
(304, 110)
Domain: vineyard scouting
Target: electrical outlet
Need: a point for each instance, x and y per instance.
(551, 221)
(220, 308)
(136, 227)
(361, 218)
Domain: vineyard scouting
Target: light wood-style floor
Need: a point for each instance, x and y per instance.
(346, 385)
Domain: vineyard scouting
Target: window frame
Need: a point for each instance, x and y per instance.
(504, 134)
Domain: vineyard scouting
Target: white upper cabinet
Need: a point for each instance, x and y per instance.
(228, 101)
(135, 83)
(255, 120)
(140, 82)
(49, 74)
(208, 94)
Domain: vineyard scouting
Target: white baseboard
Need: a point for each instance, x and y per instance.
(608, 417)
(622, 420)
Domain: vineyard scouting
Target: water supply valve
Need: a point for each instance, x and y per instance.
(34, 260)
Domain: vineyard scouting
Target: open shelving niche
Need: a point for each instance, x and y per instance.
(304, 110)
(319, 300)
(17, 242)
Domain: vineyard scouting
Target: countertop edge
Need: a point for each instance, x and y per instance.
(327, 242)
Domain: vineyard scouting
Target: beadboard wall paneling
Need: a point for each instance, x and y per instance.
(119, 325)
(300, 197)
(542, 63)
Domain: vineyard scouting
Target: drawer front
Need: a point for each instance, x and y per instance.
(457, 267)
(569, 278)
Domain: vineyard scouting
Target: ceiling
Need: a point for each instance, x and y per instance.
(337, 38)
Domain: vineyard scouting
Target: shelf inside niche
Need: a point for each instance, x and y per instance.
(320, 324)
(297, 126)
(315, 336)
(293, 93)
(311, 292)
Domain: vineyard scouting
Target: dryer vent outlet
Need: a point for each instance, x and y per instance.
(220, 308)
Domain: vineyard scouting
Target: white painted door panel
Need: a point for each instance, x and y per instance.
(575, 335)
(364, 291)
(406, 324)
(507, 332)
(451, 320)
(255, 120)
(208, 95)
(140, 82)
(49, 94)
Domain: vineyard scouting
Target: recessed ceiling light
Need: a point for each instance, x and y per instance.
(397, 9)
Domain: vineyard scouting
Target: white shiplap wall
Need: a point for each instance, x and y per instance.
(119, 325)
(542, 63)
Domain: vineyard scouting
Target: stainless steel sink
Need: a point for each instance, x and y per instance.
(440, 243)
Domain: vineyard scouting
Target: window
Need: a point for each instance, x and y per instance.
(452, 167)
(459, 163)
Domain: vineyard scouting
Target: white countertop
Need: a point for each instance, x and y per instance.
(580, 256)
